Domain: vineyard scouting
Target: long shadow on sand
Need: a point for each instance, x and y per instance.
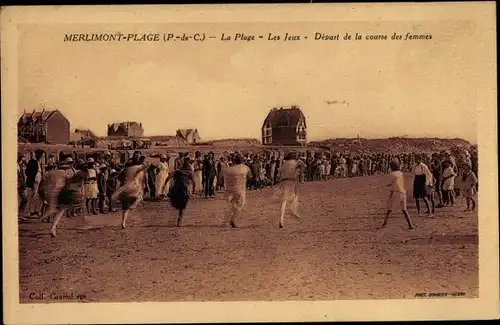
(334, 230)
(188, 226)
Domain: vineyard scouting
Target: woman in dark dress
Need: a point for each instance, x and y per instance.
(437, 171)
(70, 195)
(422, 178)
(179, 192)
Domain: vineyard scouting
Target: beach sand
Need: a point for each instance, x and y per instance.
(334, 252)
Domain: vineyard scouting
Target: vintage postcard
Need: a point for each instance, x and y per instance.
(234, 163)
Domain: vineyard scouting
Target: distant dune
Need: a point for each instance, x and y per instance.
(395, 144)
(352, 145)
(233, 142)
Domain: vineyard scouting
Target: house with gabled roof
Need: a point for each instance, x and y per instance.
(46, 126)
(285, 126)
(81, 134)
(191, 136)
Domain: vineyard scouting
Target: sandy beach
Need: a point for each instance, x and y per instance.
(334, 252)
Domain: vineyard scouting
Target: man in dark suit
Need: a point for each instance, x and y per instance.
(437, 172)
(34, 173)
(208, 173)
(21, 187)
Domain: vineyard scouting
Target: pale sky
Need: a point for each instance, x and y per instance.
(225, 89)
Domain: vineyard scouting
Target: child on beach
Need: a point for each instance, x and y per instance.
(448, 184)
(322, 171)
(431, 193)
(328, 167)
(468, 186)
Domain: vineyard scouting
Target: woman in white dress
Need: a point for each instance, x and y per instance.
(191, 189)
(449, 183)
(322, 170)
(354, 169)
(343, 165)
(221, 170)
(198, 170)
(90, 187)
(171, 170)
(288, 186)
(161, 176)
(328, 168)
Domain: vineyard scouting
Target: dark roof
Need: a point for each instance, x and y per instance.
(184, 133)
(124, 125)
(284, 117)
(87, 132)
(44, 115)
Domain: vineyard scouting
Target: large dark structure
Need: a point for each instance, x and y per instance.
(44, 127)
(126, 129)
(285, 126)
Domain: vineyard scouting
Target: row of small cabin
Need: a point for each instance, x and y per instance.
(283, 126)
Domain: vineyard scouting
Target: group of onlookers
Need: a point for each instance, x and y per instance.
(105, 176)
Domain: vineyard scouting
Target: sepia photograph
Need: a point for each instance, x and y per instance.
(202, 156)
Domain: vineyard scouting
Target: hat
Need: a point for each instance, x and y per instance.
(291, 155)
(112, 171)
(466, 163)
(103, 166)
(108, 153)
(69, 160)
(90, 160)
(163, 156)
(80, 161)
(395, 163)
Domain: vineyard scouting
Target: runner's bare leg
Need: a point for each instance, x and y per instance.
(57, 219)
(283, 210)
(295, 206)
(124, 218)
